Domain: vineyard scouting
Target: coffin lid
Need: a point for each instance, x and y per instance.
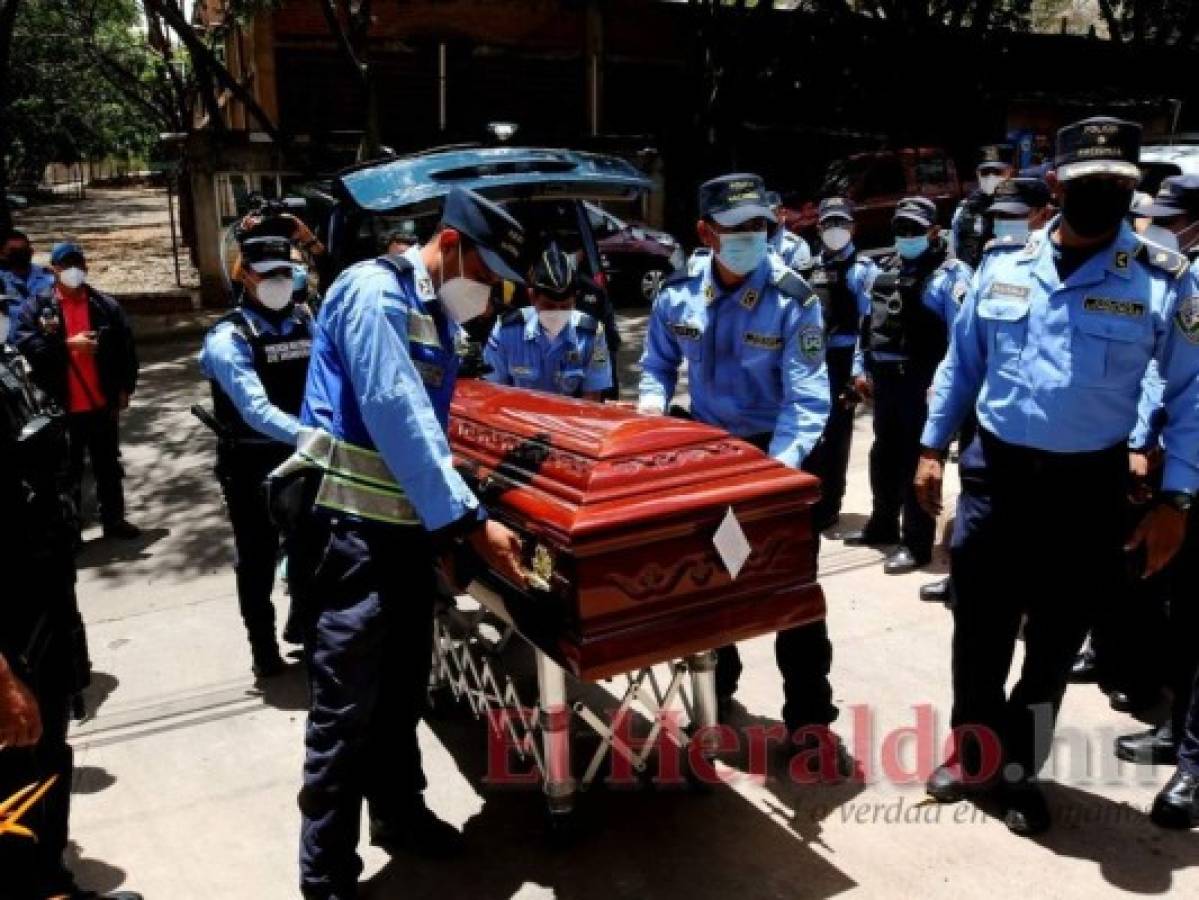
(580, 468)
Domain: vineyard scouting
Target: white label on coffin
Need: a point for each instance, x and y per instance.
(731, 544)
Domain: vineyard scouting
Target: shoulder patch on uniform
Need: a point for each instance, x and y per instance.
(1187, 318)
(811, 342)
(1031, 247)
(789, 283)
(1158, 257)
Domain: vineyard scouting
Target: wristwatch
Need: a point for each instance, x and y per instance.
(1180, 500)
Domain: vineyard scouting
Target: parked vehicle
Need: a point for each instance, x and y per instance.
(876, 182)
(635, 257)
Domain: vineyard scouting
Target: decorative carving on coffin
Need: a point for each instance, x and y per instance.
(512, 448)
(656, 580)
(670, 459)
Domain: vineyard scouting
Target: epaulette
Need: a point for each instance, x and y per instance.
(1007, 242)
(679, 276)
(513, 317)
(397, 262)
(587, 323)
(1172, 263)
(791, 284)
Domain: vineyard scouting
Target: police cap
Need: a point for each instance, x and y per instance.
(1019, 196)
(920, 210)
(495, 234)
(994, 157)
(266, 253)
(835, 208)
(1098, 146)
(553, 273)
(732, 200)
(1178, 194)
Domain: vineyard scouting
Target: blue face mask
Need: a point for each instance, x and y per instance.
(911, 247)
(1013, 228)
(741, 253)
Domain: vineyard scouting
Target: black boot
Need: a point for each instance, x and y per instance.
(1155, 747)
(1085, 670)
(1025, 811)
(904, 560)
(872, 535)
(1175, 806)
(937, 591)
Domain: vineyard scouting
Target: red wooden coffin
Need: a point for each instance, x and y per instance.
(618, 512)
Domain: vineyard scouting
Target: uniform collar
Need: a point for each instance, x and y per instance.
(533, 329)
(421, 279)
(261, 323)
(749, 290)
(840, 256)
(1116, 258)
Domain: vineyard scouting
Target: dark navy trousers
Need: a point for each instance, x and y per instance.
(1038, 537)
(369, 591)
(829, 459)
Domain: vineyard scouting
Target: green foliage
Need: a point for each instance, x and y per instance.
(80, 82)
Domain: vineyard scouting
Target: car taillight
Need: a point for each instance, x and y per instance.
(601, 279)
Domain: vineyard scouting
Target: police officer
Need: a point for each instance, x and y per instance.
(1021, 205)
(1172, 218)
(20, 277)
(256, 359)
(43, 654)
(913, 303)
(970, 226)
(1050, 348)
(842, 280)
(750, 330)
(550, 346)
(791, 248)
(385, 502)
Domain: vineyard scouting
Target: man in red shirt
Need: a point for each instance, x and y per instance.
(80, 346)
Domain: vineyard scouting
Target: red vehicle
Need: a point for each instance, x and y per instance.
(876, 182)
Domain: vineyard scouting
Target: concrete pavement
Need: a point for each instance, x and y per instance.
(188, 770)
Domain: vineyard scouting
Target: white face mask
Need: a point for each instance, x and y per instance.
(274, 293)
(3, 327)
(463, 298)
(553, 320)
(835, 239)
(73, 278)
(987, 183)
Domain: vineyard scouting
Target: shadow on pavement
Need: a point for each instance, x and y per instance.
(91, 780)
(92, 874)
(98, 690)
(287, 691)
(644, 841)
(103, 551)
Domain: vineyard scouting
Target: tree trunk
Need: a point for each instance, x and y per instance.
(8, 19)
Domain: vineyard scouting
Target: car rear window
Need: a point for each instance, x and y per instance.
(1154, 173)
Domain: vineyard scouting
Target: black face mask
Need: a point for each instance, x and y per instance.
(1095, 206)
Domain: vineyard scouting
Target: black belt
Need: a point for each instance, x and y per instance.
(1038, 460)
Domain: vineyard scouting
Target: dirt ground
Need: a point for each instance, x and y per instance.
(126, 233)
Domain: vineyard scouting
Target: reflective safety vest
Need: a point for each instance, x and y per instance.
(354, 480)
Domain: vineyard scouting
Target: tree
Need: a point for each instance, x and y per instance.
(8, 20)
(1147, 23)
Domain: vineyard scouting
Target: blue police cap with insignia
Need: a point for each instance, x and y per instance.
(920, 210)
(732, 200)
(497, 236)
(1100, 145)
(994, 157)
(835, 208)
(1019, 196)
(1178, 194)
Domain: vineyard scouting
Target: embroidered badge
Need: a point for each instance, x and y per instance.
(1122, 259)
(959, 291)
(811, 342)
(763, 341)
(424, 287)
(749, 299)
(1187, 318)
(709, 293)
(1131, 309)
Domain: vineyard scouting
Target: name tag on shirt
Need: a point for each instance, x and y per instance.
(288, 351)
(1000, 289)
(1131, 309)
(764, 341)
(690, 332)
